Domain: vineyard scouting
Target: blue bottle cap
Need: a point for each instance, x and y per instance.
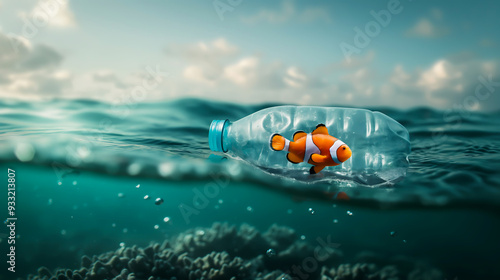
(215, 135)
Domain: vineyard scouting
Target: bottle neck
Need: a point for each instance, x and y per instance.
(216, 135)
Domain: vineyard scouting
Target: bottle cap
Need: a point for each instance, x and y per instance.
(215, 135)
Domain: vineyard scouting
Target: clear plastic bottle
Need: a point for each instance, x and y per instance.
(380, 145)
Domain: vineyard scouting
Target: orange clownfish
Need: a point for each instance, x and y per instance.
(317, 148)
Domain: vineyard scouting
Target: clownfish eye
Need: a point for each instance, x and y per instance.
(344, 148)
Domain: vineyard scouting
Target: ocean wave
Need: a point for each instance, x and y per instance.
(452, 162)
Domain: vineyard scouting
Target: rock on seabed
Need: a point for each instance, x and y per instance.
(228, 252)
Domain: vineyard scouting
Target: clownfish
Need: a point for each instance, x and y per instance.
(317, 148)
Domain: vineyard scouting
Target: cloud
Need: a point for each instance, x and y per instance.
(216, 63)
(354, 62)
(425, 28)
(18, 55)
(254, 79)
(30, 69)
(444, 84)
(40, 57)
(216, 49)
(246, 72)
(218, 69)
(55, 13)
(447, 83)
(233, 76)
(251, 72)
(429, 27)
(288, 12)
(295, 78)
(107, 76)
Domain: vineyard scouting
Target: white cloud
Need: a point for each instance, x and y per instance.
(253, 79)
(429, 27)
(444, 84)
(288, 12)
(352, 62)
(216, 70)
(295, 78)
(55, 12)
(209, 51)
(439, 76)
(107, 76)
(243, 72)
(196, 73)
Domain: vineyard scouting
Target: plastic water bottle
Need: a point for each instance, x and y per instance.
(380, 145)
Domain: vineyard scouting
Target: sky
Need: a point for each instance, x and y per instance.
(403, 54)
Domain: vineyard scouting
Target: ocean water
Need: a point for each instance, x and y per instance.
(88, 176)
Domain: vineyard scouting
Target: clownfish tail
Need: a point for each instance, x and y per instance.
(279, 143)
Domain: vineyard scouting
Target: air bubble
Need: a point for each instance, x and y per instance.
(159, 201)
(271, 253)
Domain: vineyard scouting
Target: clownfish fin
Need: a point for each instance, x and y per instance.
(277, 142)
(316, 169)
(320, 129)
(317, 158)
(293, 158)
(299, 134)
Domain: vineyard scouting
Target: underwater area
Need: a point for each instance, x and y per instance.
(134, 192)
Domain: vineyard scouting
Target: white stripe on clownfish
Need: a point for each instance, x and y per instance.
(333, 150)
(287, 145)
(311, 148)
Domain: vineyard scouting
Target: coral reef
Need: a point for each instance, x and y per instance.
(228, 252)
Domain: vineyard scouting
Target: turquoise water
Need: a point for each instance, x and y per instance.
(78, 164)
